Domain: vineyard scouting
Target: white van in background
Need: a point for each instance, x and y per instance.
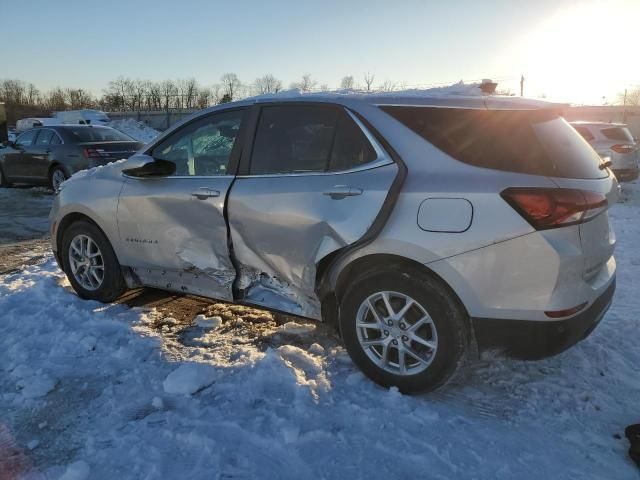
(83, 117)
(27, 123)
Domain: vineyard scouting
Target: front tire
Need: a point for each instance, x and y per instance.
(403, 329)
(90, 263)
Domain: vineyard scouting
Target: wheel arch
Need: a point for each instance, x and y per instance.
(331, 296)
(68, 220)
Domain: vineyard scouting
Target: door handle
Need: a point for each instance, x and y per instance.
(203, 193)
(340, 191)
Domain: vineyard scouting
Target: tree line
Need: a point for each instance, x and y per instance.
(127, 94)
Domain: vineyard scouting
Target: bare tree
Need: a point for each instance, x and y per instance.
(347, 82)
(368, 80)
(388, 86)
(204, 98)
(55, 99)
(168, 91)
(632, 97)
(268, 84)
(77, 98)
(230, 84)
(216, 93)
(12, 92)
(306, 84)
(32, 95)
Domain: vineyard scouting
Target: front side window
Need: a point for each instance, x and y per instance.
(44, 138)
(304, 139)
(26, 139)
(204, 147)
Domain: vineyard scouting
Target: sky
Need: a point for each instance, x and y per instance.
(577, 51)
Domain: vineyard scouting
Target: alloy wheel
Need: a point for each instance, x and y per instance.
(397, 333)
(86, 262)
(57, 178)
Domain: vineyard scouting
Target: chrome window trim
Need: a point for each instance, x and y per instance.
(382, 157)
(231, 177)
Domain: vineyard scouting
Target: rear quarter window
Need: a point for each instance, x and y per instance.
(536, 142)
(621, 134)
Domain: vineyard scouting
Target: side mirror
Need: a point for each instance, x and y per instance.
(144, 166)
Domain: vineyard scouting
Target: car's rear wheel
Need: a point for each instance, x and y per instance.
(403, 329)
(56, 177)
(90, 263)
(3, 180)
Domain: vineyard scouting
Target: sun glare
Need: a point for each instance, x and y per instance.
(583, 53)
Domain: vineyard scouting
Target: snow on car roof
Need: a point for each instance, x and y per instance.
(459, 95)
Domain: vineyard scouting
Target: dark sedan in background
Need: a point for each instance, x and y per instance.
(49, 155)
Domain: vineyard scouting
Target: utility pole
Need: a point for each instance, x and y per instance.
(522, 85)
(624, 107)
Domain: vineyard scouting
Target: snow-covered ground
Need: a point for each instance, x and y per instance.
(92, 391)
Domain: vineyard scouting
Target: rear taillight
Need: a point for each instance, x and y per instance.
(91, 153)
(623, 148)
(546, 208)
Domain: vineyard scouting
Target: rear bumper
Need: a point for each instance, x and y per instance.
(538, 339)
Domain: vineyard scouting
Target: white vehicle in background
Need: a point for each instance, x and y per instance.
(615, 141)
(83, 117)
(25, 124)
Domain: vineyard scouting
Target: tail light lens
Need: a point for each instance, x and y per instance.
(546, 208)
(92, 153)
(623, 148)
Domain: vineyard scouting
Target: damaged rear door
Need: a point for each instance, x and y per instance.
(173, 230)
(312, 182)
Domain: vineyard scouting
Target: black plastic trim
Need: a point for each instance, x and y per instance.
(539, 339)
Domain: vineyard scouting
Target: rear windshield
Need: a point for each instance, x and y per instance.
(537, 142)
(618, 133)
(92, 134)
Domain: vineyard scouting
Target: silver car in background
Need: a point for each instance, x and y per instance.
(421, 227)
(613, 140)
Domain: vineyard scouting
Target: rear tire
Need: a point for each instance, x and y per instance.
(56, 177)
(432, 334)
(90, 263)
(3, 180)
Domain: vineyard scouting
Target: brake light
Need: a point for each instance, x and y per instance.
(546, 208)
(623, 148)
(91, 153)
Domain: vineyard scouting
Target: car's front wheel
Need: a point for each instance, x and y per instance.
(403, 329)
(90, 263)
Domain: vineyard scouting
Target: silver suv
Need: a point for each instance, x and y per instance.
(613, 140)
(421, 227)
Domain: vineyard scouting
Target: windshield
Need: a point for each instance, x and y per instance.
(93, 134)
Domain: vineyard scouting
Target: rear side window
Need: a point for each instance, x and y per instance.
(96, 134)
(44, 137)
(536, 142)
(303, 139)
(585, 133)
(621, 134)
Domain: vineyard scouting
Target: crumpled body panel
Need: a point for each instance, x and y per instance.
(281, 227)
